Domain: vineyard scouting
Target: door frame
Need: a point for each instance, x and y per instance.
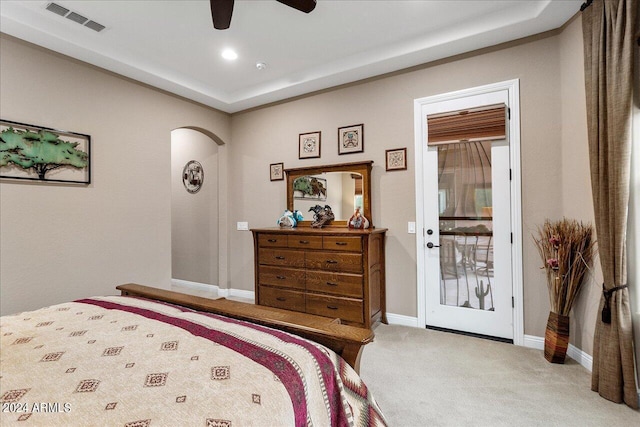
(513, 88)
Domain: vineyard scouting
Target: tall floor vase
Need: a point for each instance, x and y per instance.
(556, 338)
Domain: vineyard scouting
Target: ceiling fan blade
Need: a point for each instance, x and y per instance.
(221, 11)
(305, 6)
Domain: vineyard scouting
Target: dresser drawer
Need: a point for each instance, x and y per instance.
(306, 242)
(272, 240)
(284, 257)
(349, 285)
(342, 243)
(280, 298)
(278, 276)
(344, 308)
(333, 261)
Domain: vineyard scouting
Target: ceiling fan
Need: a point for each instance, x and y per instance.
(221, 10)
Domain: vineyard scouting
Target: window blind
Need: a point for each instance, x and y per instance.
(476, 124)
(358, 183)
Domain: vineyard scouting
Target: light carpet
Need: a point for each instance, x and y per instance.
(423, 377)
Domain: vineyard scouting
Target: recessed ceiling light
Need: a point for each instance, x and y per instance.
(229, 54)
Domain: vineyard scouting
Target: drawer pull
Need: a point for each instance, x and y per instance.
(304, 242)
(341, 243)
(272, 240)
(332, 284)
(330, 261)
(281, 299)
(332, 307)
(281, 277)
(279, 257)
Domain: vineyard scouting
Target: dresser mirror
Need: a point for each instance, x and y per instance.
(343, 187)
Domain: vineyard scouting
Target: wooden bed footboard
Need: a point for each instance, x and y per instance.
(347, 341)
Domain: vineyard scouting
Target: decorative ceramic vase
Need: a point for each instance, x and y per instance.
(290, 219)
(556, 338)
(358, 221)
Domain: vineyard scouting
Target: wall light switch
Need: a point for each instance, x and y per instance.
(243, 226)
(411, 228)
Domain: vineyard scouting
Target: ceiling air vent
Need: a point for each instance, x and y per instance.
(75, 17)
(94, 26)
(57, 9)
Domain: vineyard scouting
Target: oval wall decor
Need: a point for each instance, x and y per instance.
(193, 176)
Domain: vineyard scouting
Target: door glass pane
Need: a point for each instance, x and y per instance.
(466, 225)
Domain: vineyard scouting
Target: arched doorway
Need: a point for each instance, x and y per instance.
(194, 209)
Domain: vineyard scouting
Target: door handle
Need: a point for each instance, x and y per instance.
(431, 245)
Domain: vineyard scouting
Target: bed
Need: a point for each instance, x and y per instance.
(151, 357)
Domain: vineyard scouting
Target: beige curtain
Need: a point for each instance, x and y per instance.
(609, 45)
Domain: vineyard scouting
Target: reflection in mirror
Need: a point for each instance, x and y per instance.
(344, 187)
(340, 190)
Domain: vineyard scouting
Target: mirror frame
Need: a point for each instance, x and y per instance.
(362, 168)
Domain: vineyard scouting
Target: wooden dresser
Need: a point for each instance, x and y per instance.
(332, 272)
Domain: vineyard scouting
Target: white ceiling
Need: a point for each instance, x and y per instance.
(172, 44)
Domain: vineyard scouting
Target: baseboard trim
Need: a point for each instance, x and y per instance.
(402, 320)
(584, 359)
(531, 341)
(196, 286)
(581, 357)
(241, 293)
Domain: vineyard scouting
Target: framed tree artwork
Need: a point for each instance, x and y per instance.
(309, 145)
(36, 153)
(351, 139)
(396, 159)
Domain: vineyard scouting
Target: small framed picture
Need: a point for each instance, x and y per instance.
(396, 159)
(276, 171)
(351, 139)
(309, 145)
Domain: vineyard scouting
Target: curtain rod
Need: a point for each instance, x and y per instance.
(585, 5)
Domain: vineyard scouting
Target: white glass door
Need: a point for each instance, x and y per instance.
(468, 230)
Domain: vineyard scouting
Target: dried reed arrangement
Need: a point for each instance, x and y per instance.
(567, 250)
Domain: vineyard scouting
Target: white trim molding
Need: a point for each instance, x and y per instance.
(196, 286)
(241, 293)
(584, 359)
(204, 288)
(402, 320)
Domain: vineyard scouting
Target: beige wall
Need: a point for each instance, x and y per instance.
(194, 216)
(548, 92)
(59, 243)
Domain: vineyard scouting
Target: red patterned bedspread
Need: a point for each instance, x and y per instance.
(123, 361)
